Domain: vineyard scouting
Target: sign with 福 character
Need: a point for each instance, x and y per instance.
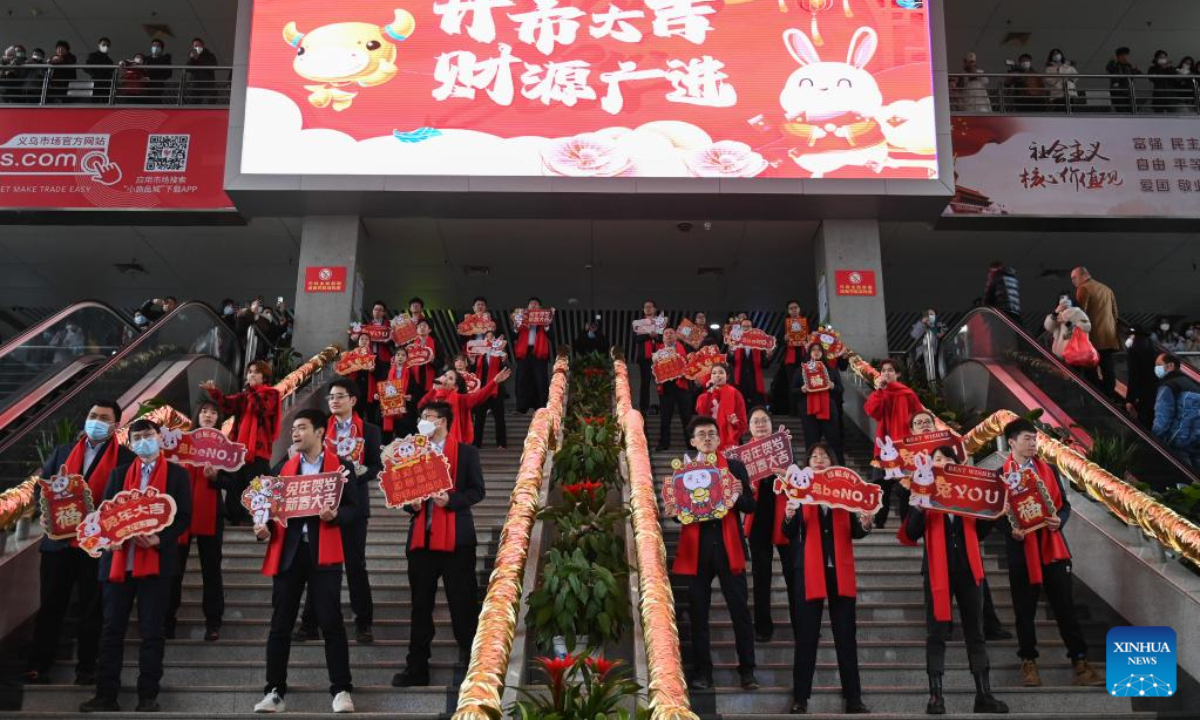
(762, 457)
(413, 471)
(1029, 503)
(65, 500)
(128, 514)
(816, 376)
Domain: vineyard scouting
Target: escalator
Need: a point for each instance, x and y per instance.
(167, 362)
(989, 363)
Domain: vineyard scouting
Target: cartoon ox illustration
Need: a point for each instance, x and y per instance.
(339, 55)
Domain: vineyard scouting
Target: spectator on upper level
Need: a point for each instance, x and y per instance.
(928, 331)
(158, 78)
(1163, 78)
(64, 71)
(590, 340)
(1166, 336)
(1024, 91)
(1003, 291)
(1098, 301)
(11, 74)
(1191, 338)
(133, 80)
(1121, 89)
(201, 81)
(1177, 410)
(970, 93)
(34, 74)
(101, 77)
(1060, 92)
(156, 308)
(1186, 84)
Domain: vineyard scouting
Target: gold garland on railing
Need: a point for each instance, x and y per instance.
(668, 688)
(293, 380)
(479, 695)
(16, 503)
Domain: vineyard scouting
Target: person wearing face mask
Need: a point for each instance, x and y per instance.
(159, 57)
(101, 76)
(591, 340)
(927, 331)
(1141, 386)
(141, 569)
(1024, 91)
(969, 92)
(1185, 86)
(1121, 89)
(1165, 336)
(1177, 410)
(442, 544)
(229, 311)
(64, 62)
(1163, 77)
(256, 412)
(1061, 323)
(35, 74)
(63, 565)
(1061, 92)
(201, 82)
(451, 388)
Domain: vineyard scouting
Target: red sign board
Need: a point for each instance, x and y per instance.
(479, 324)
(404, 330)
(352, 361)
(927, 443)
(649, 326)
(541, 317)
(418, 355)
(296, 496)
(392, 402)
(836, 487)
(325, 279)
(762, 457)
(816, 376)
(667, 365)
(740, 338)
(413, 471)
(957, 489)
(377, 333)
(64, 502)
(690, 333)
(796, 330)
(855, 282)
(701, 361)
(831, 342)
(699, 491)
(128, 514)
(99, 159)
(202, 446)
(1029, 502)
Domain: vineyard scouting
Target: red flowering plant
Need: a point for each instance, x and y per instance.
(580, 688)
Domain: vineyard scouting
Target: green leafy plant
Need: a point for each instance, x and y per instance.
(584, 522)
(591, 453)
(577, 596)
(60, 432)
(579, 688)
(1114, 453)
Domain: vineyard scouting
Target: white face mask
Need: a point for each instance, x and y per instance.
(1128, 342)
(1025, 65)
(1056, 58)
(1165, 327)
(426, 427)
(103, 47)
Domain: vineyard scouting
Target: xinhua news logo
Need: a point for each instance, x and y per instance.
(1140, 662)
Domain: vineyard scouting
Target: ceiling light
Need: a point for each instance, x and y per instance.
(714, 326)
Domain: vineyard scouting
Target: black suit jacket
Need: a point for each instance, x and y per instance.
(956, 548)
(54, 463)
(711, 534)
(347, 513)
(468, 491)
(373, 464)
(796, 530)
(179, 486)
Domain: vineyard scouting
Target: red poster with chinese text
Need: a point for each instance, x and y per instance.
(699, 491)
(352, 361)
(958, 490)
(413, 471)
(128, 514)
(542, 317)
(392, 401)
(64, 501)
(477, 325)
(690, 333)
(752, 339)
(855, 282)
(419, 355)
(667, 365)
(796, 330)
(325, 279)
(701, 361)
(377, 333)
(294, 496)
(762, 457)
(1029, 503)
(927, 443)
(816, 376)
(404, 330)
(836, 487)
(202, 446)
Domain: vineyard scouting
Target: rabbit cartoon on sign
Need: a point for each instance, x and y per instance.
(922, 480)
(889, 458)
(832, 106)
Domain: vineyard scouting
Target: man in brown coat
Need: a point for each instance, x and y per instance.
(1097, 300)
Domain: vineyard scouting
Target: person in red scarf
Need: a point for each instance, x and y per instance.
(1041, 561)
(207, 527)
(764, 529)
(308, 552)
(748, 367)
(675, 397)
(819, 412)
(890, 406)
(393, 426)
(255, 413)
(644, 347)
(782, 397)
(442, 544)
(451, 388)
(821, 543)
(140, 569)
(488, 366)
(533, 350)
(953, 568)
(717, 548)
(420, 377)
(724, 404)
(380, 318)
(62, 564)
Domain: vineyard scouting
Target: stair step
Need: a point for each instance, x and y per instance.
(1071, 701)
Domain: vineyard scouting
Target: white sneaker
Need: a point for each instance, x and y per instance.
(272, 702)
(343, 703)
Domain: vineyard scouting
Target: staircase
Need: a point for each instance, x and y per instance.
(205, 680)
(891, 633)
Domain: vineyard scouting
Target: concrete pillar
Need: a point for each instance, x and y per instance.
(334, 243)
(851, 246)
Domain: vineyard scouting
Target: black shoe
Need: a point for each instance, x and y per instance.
(33, 677)
(85, 678)
(985, 701)
(169, 630)
(212, 634)
(799, 707)
(937, 703)
(409, 678)
(364, 636)
(304, 634)
(100, 704)
(855, 706)
(749, 682)
(662, 448)
(702, 681)
(764, 636)
(148, 705)
(998, 634)
(880, 521)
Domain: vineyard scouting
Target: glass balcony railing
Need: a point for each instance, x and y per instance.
(129, 83)
(1073, 94)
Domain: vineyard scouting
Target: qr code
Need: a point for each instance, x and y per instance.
(167, 153)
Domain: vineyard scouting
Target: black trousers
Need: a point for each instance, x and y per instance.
(816, 430)
(325, 588)
(645, 386)
(806, 618)
(457, 572)
(889, 486)
(1056, 581)
(674, 401)
(733, 587)
(495, 406)
(969, 597)
(240, 481)
(212, 601)
(354, 549)
(763, 564)
(533, 383)
(991, 621)
(152, 594)
(59, 572)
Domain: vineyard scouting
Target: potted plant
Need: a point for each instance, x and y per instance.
(579, 601)
(579, 689)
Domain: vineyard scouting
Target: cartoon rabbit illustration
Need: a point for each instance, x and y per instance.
(922, 480)
(889, 458)
(832, 106)
(170, 438)
(1013, 480)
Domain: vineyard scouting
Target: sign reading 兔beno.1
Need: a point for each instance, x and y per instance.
(573, 88)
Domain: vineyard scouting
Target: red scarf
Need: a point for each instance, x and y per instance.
(687, 553)
(938, 563)
(648, 346)
(102, 467)
(145, 560)
(818, 402)
(729, 401)
(1048, 545)
(394, 373)
(541, 343)
(739, 356)
(205, 501)
(441, 528)
(331, 437)
(330, 552)
(487, 370)
(422, 375)
(814, 554)
(680, 350)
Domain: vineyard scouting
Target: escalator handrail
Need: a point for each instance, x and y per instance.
(36, 394)
(133, 347)
(38, 328)
(1185, 367)
(1066, 371)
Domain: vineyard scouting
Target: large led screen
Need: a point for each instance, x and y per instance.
(591, 88)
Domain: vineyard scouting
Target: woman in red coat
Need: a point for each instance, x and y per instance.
(890, 406)
(451, 388)
(255, 413)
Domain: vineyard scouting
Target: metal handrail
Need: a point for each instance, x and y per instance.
(36, 330)
(1073, 93)
(126, 83)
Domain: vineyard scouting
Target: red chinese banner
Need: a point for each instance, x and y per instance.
(957, 489)
(325, 279)
(762, 457)
(494, 347)
(837, 487)
(754, 339)
(348, 448)
(855, 282)
(392, 402)
(796, 330)
(65, 501)
(128, 514)
(404, 330)
(352, 361)
(542, 317)
(701, 361)
(667, 365)
(413, 471)
(927, 443)
(101, 159)
(567, 88)
(202, 446)
(649, 326)
(377, 333)
(418, 355)
(690, 333)
(296, 496)
(816, 376)
(1029, 502)
(831, 342)
(699, 491)
(477, 325)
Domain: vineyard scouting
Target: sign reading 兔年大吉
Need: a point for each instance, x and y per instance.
(573, 88)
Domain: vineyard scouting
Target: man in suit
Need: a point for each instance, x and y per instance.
(487, 367)
(141, 569)
(674, 396)
(644, 347)
(357, 442)
(309, 552)
(533, 350)
(63, 565)
(441, 543)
